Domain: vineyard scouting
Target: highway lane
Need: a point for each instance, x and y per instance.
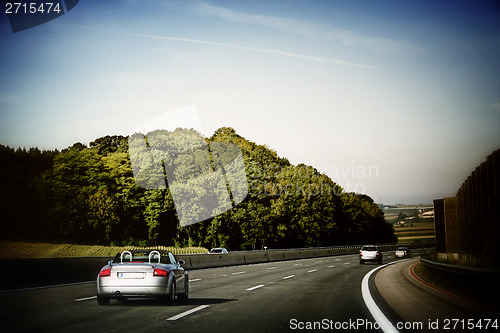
(268, 297)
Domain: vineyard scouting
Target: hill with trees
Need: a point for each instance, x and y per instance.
(88, 195)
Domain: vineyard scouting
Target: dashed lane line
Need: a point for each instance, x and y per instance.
(312, 271)
(238, 273)
(288, 277)
(256, 287)
(187, 313)
(84, 299)
(194, 280)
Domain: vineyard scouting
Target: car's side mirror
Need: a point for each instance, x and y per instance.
(181, 262)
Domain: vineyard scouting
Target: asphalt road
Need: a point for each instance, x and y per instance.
(268, 297)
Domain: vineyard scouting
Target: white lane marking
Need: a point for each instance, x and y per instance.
(347, 263)
(288, 277)
(331, 266)
(238, 273)
(256, 287)
(312, 271)
(274, 267)
(318, 262)
(45, 287)
(194, 280)
(84, 299)
(187, 313)
(298, 264)
(377, 314)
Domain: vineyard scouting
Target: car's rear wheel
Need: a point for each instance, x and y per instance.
(101, 300)
(173, 290)
(185, 294)
(361, 262)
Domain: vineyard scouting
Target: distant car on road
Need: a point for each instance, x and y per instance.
(218, 250)
(370, 253)
(403, 252)
(142, 273)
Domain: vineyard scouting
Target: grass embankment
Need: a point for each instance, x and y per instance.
(48, 250)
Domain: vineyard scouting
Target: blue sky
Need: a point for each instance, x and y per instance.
(386, 97)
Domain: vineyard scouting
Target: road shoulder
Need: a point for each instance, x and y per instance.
(416, 301)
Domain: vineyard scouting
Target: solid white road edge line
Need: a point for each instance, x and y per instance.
(45, 287)
(378, 315)
(256, 287)
(187, 313)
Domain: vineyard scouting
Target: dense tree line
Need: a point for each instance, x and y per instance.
(93, 194)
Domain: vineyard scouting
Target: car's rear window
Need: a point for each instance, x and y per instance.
(369, 248)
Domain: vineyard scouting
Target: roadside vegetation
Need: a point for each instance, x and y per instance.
(88, 195)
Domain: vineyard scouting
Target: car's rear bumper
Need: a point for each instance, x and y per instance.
(132, 291)
(370, 258)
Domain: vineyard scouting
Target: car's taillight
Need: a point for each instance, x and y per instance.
(105, 272)
(378, 253)
(160, 272)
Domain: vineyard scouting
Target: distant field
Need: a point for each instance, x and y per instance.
(390, 217)
(415, 239)
(48, 250)
(416, 225)
(410, 232)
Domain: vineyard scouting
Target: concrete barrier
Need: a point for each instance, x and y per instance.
(33, 272)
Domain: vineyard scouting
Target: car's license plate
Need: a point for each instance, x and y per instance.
(131, 275)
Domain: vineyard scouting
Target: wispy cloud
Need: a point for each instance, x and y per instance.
(286, 24)
(261, 50)
(347, 38)
(374, 44)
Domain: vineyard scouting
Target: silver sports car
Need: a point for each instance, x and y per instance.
(142, 273)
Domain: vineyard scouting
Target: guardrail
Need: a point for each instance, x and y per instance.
(32, 272)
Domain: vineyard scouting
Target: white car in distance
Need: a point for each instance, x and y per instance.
(370, 253)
